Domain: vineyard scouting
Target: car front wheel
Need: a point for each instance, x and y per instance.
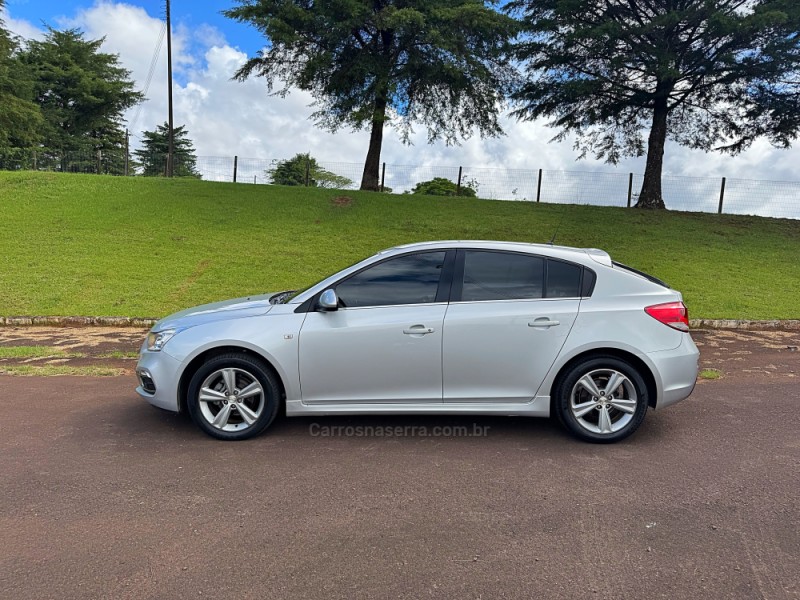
(233, 397)
(601, 399)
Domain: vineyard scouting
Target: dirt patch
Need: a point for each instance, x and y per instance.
(746, 353)
(81, 348)
(342, 202)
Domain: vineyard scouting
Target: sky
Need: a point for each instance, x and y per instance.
(226, 118)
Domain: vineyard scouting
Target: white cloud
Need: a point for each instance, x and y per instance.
(226, 117)
(22, 28)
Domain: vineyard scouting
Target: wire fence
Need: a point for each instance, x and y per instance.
(694, 194)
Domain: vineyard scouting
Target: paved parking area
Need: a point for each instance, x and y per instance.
(102, 496)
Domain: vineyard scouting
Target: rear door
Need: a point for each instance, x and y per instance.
(509, 316)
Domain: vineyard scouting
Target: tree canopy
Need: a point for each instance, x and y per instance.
(439, 63)
(81, 91)
(20, 118)
(303, 169)
(152, 156)
(708, 74)
(441, 186)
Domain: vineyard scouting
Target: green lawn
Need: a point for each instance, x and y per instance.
(24, 352)
(97, 245)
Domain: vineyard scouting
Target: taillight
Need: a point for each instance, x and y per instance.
(672, 314)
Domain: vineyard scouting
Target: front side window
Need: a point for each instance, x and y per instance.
(501, 276)
(410, 279)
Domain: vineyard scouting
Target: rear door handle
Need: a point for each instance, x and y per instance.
(418, 330)
(543, 322)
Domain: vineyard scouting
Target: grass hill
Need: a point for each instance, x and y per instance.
(100, 245)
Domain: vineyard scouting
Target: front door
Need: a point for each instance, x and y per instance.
(384, 343)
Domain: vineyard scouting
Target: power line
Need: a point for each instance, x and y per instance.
(150, 73)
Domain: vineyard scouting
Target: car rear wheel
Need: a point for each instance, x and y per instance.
(601, 399)
(233, 397)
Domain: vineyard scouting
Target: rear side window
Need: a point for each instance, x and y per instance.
(563, 280)
(490, 275)
(501, 276)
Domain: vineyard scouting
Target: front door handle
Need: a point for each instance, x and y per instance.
(418, 330)
(543, 322)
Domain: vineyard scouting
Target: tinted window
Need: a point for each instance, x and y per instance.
(501, 276)
(563, 280)
(411, 279)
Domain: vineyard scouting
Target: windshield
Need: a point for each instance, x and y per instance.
(284, 297)
(289, 295)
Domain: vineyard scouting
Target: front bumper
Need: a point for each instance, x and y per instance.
(677, 370)
(164, 372)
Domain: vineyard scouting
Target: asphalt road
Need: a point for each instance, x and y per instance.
(102, 496)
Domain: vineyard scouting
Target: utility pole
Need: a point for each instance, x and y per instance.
(170, 140)
(127, 150)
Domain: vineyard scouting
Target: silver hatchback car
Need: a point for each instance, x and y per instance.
(439, 327)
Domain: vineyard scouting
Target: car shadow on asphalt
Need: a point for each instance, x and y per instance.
(140, 421)
(152, 424)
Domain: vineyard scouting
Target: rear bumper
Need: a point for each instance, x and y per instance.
(164, 372)
(677, 370)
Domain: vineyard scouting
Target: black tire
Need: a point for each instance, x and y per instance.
(617, 424)
(245, 371)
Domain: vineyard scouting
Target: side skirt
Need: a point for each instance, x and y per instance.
(538, 407)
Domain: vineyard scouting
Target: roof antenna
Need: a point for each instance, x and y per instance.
(555, 233)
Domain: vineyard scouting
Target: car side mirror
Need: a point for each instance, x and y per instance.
(328, 300)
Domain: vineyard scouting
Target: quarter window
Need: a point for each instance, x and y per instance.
(563, 280)
(410, 279)
(501, 276)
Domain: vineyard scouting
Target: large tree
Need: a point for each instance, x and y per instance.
(82, 92)
(438, 63)
(152, 156)
(708, 74)
(20, 118)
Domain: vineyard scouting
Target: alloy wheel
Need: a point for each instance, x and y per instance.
(603, 401)
(231, 399)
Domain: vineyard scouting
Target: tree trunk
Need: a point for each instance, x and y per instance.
(650, 196)
(370, 179)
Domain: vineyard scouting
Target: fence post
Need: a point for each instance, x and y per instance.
(99, 161)
(721, 196)
(458, 183)
(254, 179)
(630, 188)
(127, 149)
(34, 160)
(383, 175)
(539, 187)
(308, 170)
(235, 166)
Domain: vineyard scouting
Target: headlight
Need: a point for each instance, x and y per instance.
(157, 339)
